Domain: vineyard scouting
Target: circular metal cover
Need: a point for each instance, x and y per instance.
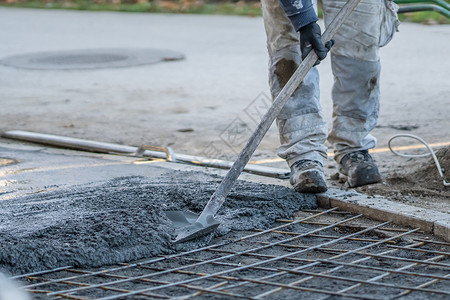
(90, 59)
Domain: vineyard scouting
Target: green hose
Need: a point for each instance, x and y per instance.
(440, 6)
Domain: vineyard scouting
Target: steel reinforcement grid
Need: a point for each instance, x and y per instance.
(320, 254)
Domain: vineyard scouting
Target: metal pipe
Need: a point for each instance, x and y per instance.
(441, 3)
(424, 7)
(110, 148)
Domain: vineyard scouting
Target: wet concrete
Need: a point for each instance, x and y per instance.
(102, 221)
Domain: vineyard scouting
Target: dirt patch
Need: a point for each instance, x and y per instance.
(123, 219)
(427, 175)
(413, 181)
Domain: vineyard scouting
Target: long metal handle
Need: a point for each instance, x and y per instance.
(218, 198)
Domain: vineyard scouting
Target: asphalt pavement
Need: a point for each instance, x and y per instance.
(188, 103)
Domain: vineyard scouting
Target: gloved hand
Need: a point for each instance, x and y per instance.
(310, 38)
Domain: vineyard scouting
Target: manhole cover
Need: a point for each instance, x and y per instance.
(90, 59)
(81, 59)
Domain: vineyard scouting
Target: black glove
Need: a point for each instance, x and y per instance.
(310, 37)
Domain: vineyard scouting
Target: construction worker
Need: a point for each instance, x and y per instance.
(292, 32)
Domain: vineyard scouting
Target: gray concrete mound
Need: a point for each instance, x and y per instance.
(123, 219)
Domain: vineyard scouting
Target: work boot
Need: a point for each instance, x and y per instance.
(360, 168)
(307, 177)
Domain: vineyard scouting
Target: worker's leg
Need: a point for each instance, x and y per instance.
(301, 124)
(356, 69)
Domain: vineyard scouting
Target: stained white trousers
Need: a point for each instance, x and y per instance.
(356, 69)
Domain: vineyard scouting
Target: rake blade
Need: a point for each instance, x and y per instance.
(186, 225)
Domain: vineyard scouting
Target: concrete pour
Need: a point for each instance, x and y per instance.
(102, 222)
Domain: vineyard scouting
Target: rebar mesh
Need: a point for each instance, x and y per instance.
(318, 255)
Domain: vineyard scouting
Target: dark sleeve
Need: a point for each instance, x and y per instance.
(300, 12)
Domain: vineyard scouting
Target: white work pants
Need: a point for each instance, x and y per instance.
(356, 69)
